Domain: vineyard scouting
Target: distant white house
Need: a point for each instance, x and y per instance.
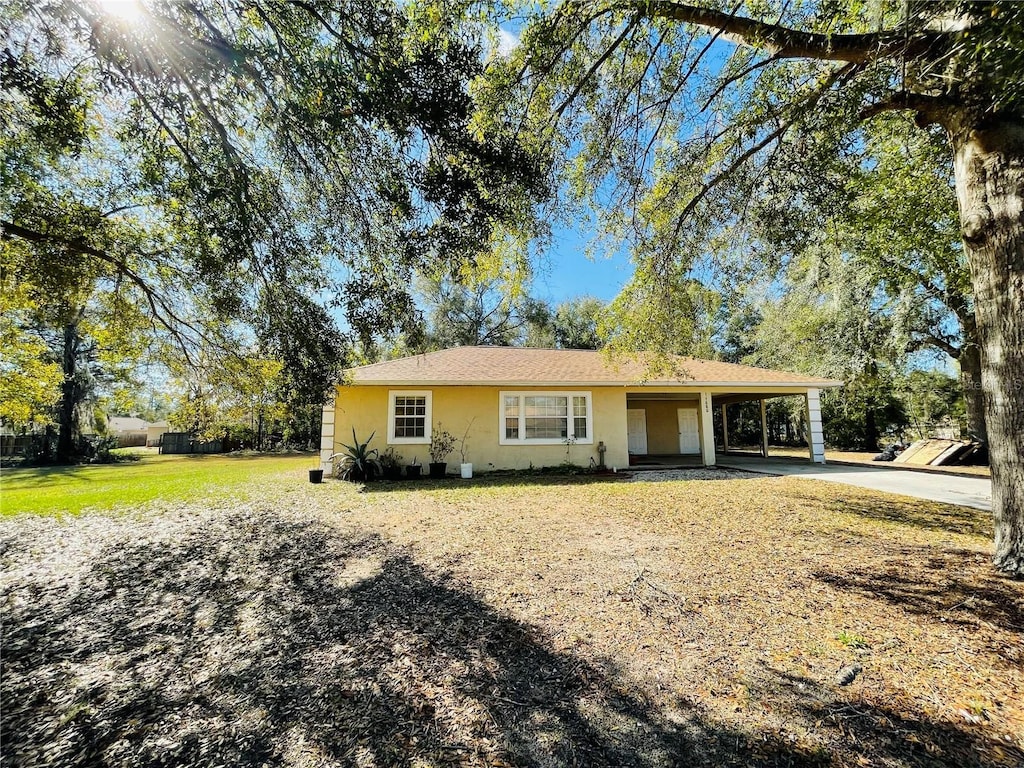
(154, 433)
(129, 430)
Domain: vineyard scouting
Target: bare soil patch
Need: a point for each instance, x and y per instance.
(514, 622)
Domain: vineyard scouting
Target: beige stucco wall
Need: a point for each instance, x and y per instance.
(365, 408)
(663, 423)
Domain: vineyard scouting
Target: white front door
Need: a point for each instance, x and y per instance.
(689, 434)
(636, 430)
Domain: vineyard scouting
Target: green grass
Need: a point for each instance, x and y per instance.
(57, 490)
(852, 640)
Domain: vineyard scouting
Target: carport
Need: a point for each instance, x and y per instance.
(675, 426)
(811, 414)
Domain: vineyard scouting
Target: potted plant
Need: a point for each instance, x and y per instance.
(442, 443)
(358, 461)
(390, 464)
(316, 473)
(466, 468)
(412, 471)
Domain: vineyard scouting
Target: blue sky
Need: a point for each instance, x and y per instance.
(566, 272)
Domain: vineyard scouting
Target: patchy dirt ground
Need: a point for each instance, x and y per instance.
(514, 622)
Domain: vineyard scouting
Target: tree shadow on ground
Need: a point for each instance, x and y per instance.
(259, 639)
(930, 515)
(494, 479)
(884, 735)
(950, 585)
(43, 474)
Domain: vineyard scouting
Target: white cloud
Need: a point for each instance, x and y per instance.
(507, 41)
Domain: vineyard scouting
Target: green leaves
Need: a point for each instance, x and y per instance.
(275, 166)
(687, 142)
(29, 377)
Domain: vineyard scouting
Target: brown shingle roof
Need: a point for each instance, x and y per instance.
(566, 367)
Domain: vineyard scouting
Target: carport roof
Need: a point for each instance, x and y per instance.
(520, 366)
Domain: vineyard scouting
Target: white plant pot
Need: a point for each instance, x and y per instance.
(467, 470)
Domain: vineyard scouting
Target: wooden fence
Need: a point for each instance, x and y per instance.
(183, 442)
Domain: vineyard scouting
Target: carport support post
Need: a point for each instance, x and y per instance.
(725, 429)
(764, 430)
(327, 437)
(815, 436)
(707, 430)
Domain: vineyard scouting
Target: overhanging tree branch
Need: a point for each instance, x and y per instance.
(929, 109)
(159, 306)
(775, 135)
(787, 43)
(596, 66)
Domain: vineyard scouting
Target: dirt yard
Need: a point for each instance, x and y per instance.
(514, 622)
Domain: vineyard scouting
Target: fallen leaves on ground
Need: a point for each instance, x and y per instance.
(514, 622)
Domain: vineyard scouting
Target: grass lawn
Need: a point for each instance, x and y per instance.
(54, 490)
(514, 622)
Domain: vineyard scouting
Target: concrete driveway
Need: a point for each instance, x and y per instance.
(975, 492)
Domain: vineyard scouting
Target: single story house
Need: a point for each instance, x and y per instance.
(129, 430)
(522, 407)
(155, 432)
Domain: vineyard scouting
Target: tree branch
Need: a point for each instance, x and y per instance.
(596, 66)
(775, 135)
(162, 312)
(942, 344)
(930, 109)
(734, 78)
(787, 43)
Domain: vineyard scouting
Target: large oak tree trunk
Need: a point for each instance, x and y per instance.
(870, 428)
(989, 165)
(970, 384)
(69, 428)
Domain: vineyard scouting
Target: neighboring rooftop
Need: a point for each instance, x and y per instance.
(126, 424)
(562, 367)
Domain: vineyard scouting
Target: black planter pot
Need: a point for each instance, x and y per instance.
(316, 475)
(393, 473)
(412, 471)
(438, 468)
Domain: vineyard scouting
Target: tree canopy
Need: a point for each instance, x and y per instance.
(272, 166)
(262, 149)
(674, 118)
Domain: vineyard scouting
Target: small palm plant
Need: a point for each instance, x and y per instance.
(358, 461)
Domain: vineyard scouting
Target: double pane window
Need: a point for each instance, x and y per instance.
(547, 417)
(579, 416)
(511, 417)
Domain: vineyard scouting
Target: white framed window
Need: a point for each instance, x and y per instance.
(545, 418)
(409, 417)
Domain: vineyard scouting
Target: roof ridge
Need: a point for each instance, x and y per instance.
(521, 349)
(481, 363)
